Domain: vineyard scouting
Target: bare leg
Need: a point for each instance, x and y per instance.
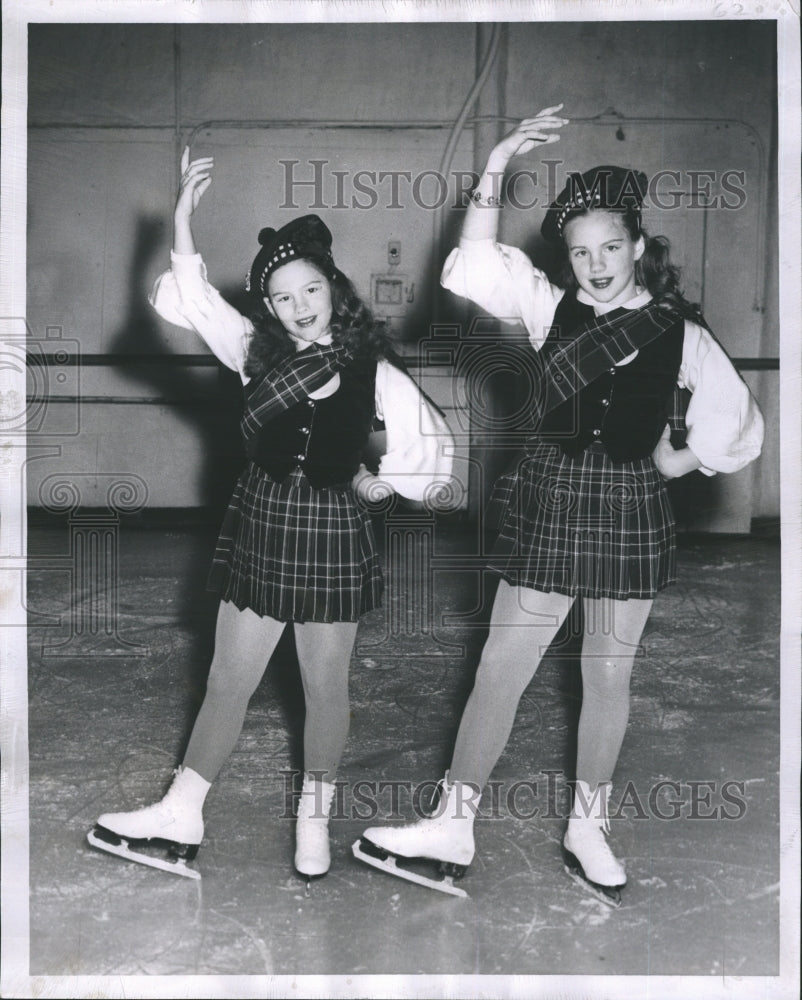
(244, 643)
(523, 624)
(324, 654)
(612, 633)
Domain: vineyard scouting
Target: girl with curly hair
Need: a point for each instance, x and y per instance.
(296, 545)
(585, 515)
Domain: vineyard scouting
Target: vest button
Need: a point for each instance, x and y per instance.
(596, 432)
(300, 458)
(612, 371)
(605, 402)
(304, 430)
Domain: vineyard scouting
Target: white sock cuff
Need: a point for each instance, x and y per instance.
(192, 784)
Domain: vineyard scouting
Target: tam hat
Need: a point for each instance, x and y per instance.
(303, 237)
(613, 188)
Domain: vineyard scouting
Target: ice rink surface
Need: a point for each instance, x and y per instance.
(110, 715)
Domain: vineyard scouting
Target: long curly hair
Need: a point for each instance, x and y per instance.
(352, 325)
(653, 270)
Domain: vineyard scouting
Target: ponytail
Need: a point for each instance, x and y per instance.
(655, 271)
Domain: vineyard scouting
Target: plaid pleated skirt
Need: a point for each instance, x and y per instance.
(584, 526)
(295, 553)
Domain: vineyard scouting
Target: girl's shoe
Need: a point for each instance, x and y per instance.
(175, 823)
(445, 837)
(312, 852)
(587, 854)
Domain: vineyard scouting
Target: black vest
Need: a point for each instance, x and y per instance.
(628, 407)
(325, 437)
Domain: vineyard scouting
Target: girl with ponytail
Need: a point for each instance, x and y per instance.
(585, 514)
(654, 270)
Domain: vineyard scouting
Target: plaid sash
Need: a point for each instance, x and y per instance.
(598, 344)
(676, 416)
(290, 383)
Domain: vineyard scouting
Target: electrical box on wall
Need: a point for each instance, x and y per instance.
(391, 294)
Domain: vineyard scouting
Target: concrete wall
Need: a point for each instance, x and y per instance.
(110, 107)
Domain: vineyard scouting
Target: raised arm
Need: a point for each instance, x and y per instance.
(196, 176)
(501, 279)
(183, 295)
(481, 217)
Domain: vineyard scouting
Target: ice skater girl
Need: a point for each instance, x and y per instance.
(586, 515)
(296, 545)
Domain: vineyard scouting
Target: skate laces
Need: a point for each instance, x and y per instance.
(311, 834)
(457, 799)
(439, 798)
(312, 852)
(593, 806)
(602, 825)
(315, 801)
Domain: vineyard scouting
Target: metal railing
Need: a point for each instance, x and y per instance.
(210, 361)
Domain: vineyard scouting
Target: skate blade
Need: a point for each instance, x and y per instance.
(121, 849)
(388, 864)
(610, 895)
(309, 879)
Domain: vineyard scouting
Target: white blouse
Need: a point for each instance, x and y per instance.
(420, 447)
(725, 425)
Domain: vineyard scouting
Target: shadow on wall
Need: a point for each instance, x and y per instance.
(211, 413)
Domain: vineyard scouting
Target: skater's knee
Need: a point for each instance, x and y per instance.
(231, 682)
(323, 690)
(607, 676)
(325, 678)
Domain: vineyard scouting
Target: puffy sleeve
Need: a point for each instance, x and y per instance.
(183, 296)
(420, 447)
(502, 280)
(725, 425)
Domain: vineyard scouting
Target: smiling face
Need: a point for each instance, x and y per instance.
(299, 297)
(602, 256)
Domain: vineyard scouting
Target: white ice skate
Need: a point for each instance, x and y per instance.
(312, 852)
(174, 825)
(588, 858)
(445, 837)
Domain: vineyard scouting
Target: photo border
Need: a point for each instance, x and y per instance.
(16, 981)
